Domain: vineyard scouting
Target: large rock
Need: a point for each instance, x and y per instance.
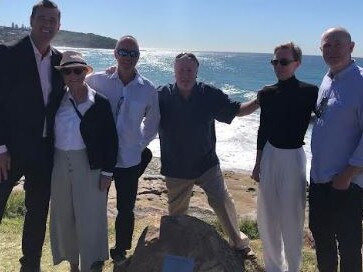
(183, 236)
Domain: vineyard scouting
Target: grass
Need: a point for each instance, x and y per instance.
(11, 233)
(15, 207)
(12, 225)
(249, 227)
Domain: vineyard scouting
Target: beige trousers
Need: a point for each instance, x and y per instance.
(78, 211)
(212, 182)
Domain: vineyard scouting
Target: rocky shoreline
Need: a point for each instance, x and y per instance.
(152, 195)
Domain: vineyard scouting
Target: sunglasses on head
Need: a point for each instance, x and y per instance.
(76, 70)
(283, 62)
(131, 53)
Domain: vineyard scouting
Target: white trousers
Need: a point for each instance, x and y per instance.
(78, 211)
(281, 207)
(212, 182)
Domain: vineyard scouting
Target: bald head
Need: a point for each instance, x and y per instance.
(338, 32)
(337, 47)
(127, 55)
(129, 39)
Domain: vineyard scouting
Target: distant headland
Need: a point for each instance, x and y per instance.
(9, 35)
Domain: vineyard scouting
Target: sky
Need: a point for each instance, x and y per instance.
(205, 25)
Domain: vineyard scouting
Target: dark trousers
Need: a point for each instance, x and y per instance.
(335, 220)
(126, 183)
(37, 174)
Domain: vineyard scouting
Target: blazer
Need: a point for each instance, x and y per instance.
(22, 109)
(99, 134)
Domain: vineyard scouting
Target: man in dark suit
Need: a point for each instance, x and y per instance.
(30, 93)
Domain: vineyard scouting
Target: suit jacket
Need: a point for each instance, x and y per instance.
(22, 108)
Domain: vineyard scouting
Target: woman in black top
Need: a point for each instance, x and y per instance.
(280, 168)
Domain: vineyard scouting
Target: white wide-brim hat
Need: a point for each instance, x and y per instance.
(73, 59)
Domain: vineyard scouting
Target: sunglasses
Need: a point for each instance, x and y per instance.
(321, 107)
(131, 53)
(68, 71)
(283, 62)
(188, 56)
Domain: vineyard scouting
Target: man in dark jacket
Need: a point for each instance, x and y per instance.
(30, 93)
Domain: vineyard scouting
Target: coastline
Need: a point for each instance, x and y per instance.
(152, 195)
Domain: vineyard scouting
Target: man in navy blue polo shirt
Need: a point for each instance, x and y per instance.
(188, 144)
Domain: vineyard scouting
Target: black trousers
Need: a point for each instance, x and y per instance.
(335, 220)
(126, 183)
(37, 174)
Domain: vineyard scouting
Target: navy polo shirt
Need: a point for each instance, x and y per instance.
(187, 130)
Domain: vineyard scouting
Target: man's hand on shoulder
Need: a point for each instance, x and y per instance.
(5, 163)
(111, 70)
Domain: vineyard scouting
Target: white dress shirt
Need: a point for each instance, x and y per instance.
(136, 111)
(67, 123)
(45, 76)
(44, 70)
(66, 128)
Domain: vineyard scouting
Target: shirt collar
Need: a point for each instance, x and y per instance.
(138, 78)
(344, 72)
(288, 81)
(91, 93)
(36, 51)
(175, 89)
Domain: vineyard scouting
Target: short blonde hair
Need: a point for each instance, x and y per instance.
(296, 50)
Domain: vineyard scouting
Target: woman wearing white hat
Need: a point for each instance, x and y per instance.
(85, 155)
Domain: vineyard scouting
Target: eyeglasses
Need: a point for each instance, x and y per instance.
(188, 56)
(283, 62)
(124, 53)
(119, 103)
(68, 71)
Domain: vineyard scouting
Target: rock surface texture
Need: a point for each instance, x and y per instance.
(184, 236)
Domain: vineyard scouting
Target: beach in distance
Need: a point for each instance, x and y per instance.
(240, 75)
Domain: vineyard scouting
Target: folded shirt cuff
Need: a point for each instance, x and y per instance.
(3, 149)
(107, 174)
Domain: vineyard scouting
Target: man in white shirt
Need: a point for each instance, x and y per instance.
(30, 92)
(134, 102)
(336, 187)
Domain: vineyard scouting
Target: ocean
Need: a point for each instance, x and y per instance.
(240, 75)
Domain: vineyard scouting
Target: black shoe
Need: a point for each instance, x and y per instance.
(29, 266)
(24, 268)
(117, 255)
(119, 258)
(97, 266)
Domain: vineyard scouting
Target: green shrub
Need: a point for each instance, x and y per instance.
(15, 207)
(249, 227)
